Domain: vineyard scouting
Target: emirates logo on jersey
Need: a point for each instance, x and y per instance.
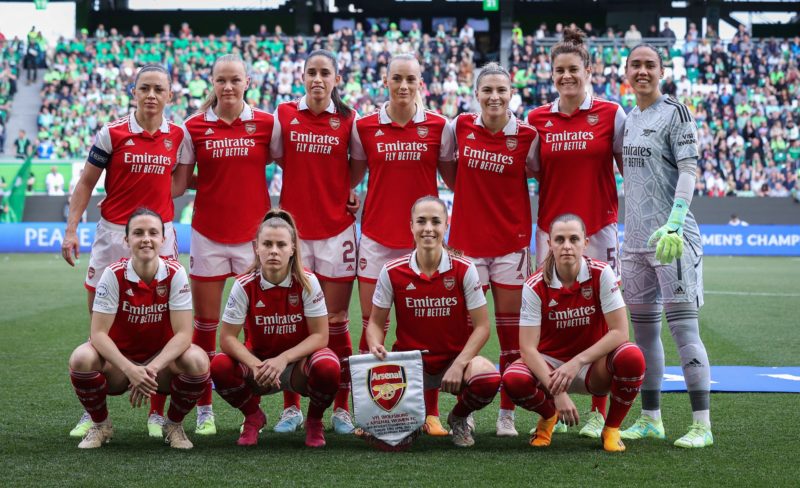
(511, 143)
(335, 122)
(422, 132)
(168, 144)
(362, 263)
(161, 290)
(449, 282)
(250, 128)
(586, 291)
(593, 119)
(387, 383)
(294, 299)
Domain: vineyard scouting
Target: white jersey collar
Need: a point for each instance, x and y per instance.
(583, 275)
(586, 105)
(419, 116)
(303, 105)
(135, 128)
(510, 128)
(130, 273)
(266, 285)
(445, 263)
(247, 114)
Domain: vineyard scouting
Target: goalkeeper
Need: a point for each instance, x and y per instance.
(661, 264)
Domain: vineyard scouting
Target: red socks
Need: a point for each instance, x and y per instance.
(339, 342)
(322, 370)
(205, 337)
(478, 393)
(229, 377)
(432, 402)
(523, 388)
(626, 365)
(185, 390)
(157, 402)
(92, 389)
(508, 336)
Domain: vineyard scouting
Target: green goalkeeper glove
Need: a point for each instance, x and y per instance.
(669, 237)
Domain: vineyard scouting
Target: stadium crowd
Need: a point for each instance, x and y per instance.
(742, 91)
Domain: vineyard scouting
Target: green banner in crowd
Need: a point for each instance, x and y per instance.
(16, 198)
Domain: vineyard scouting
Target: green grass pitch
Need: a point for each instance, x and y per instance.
(43, 317)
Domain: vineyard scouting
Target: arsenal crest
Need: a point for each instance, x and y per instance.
(250, 128)
(335, 122)
(168, 144)
(387, 384)
(161, 290)
(294, 299)
(362, 263)
(586, 291)
(422, 132)
(511, 143)
(592, 119)
(449, 282)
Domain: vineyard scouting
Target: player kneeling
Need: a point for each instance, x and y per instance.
(436, 294)
(282, 309)
(574, 339)
(141, 336)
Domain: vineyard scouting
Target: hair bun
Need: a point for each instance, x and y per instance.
(574, 35)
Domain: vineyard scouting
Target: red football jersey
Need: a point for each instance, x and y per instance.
(273, 316)
(232, 196)
(402, 165)
(571, 319)
(138, 167)
(315, 150)
(142, 325)
(491, 205)
(432, 311)
(576, 153)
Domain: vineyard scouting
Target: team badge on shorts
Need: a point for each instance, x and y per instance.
(161, 290)
(294, 299)
(511, 143)
(422, 132)
(90, 272)
(586, 291)
(592, 119)
(335, 122)
(449, 282)
(387, 383)
(362, 263)
(168, 144)
(250, 128)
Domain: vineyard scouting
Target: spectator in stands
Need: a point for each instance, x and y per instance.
(45, 149)
(735, 220)
(232, 32)
(668, 34)
(54, 182)
(22, 146)
(633, 37)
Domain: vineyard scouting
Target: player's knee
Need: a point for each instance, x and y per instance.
(338, 316)
(194, 361)
(221, 367)
(517, 381)
(628, 361)
(481, 365)
(85, 358)
(324, 367)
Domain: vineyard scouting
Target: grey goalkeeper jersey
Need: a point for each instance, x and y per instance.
(654, 140)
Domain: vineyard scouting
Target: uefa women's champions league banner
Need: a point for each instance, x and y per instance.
(718, 240)
(388, 400)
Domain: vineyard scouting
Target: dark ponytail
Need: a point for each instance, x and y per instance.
(573, 42)
(341, 107)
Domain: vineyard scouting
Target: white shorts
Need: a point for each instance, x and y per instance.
(509, 271)
(579, 383)
(646, 281)
(213, 261)
(603, 246)
(332, 259)
(372, 256)
(109, 247)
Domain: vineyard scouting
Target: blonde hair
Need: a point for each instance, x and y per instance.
(277, 218)
(211, 99)
(550, 259)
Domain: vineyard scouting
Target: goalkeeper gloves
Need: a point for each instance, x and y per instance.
(668, 239)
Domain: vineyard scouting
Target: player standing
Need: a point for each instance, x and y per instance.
(230, 143)
(403, 144)
(440, 307)
(580, 137)
(574, 338)
(660, 154)
(138, 153)
(494, 151)
(311, 143)
(141, 336)
(281, 308)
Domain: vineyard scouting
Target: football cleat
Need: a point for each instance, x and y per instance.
(82, 427)
(611, 440)
(699, 435)
(544, 431)
(205, 423)
(462, 434)
(155, 424)
(645, 426)
(291, 420)
(594, 425)
(433, 427)
(315, 435)
(505, 426)
(342, 423)
(97, 435)
(251, 427)
(175, 436)
(560, 428)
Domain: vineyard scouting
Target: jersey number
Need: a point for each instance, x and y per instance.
(349, 254)
(611, 257)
